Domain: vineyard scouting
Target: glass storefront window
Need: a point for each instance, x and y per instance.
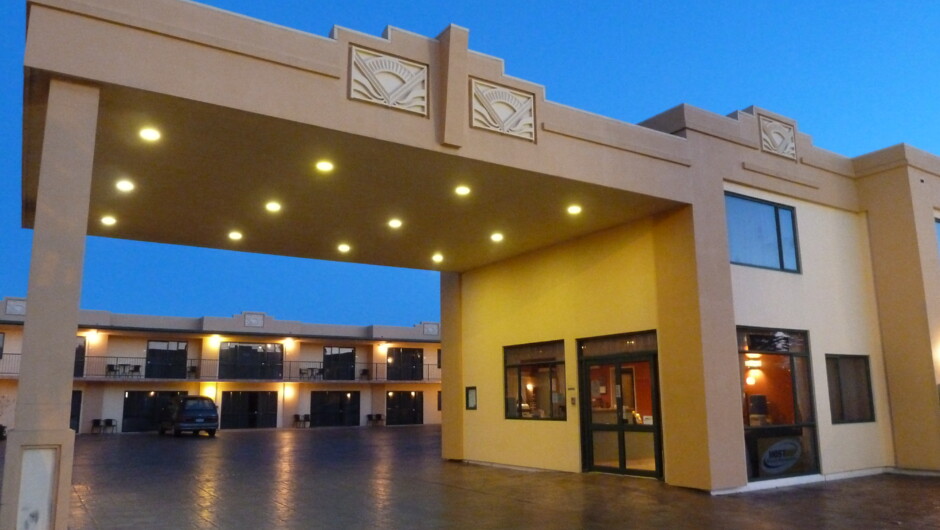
(780, 427)
(535, 381)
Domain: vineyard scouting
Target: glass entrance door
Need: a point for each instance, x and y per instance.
(621, 426)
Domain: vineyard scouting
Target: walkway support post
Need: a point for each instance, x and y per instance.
(37, 473)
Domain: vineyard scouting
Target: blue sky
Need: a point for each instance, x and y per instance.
(857, 76)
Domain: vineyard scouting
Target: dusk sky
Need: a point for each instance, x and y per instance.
(856, 76)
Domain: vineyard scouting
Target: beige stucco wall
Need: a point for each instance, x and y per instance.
(834, 299)
(598, 285)
(118, 346)
(12, 339)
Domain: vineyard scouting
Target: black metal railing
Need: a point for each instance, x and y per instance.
(130, 368)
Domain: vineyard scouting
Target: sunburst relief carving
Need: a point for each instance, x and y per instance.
(777, 138)
(503, 110)
(389, 81)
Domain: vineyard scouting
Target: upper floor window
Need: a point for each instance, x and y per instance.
(1, 344)
(405, 364)
(339, 364)
(250, 360)
(166, 359)
(761, 233)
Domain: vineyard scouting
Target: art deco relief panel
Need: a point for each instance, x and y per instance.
(777, 137)
(502, 110)
(388, 81)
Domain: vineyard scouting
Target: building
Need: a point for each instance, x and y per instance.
(262, 372)
(709, 300)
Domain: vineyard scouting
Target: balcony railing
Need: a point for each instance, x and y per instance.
(136, 368)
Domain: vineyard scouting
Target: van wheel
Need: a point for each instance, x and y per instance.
(211, 433)
(177, 432)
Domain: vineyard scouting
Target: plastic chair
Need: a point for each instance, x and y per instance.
(306, 420)
(110, 369)
(109, 424)
(96, 426)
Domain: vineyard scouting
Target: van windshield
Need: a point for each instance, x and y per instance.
(198, 404)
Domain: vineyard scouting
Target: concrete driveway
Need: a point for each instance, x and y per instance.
(393, 477)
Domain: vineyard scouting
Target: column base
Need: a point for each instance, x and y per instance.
(37, 479)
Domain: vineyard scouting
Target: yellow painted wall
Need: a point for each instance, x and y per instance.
(597, 285)
(7, 402)
(834, 300)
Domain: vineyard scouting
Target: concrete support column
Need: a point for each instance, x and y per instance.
(703, 434)
(452, 392)
(901, 212)
(37, 474)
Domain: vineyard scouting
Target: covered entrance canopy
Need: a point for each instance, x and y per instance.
(239, 129)
(239, 114)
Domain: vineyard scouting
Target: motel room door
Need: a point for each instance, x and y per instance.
(248, 410)
(620, 415)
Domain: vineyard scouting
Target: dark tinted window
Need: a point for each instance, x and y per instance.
(850, 398)
(762, 234)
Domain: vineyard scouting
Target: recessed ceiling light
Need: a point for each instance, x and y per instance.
(324, 166)
(108, 220)
(344, 248)
(437, 257)
(150, 134)
(462, 190)
(496, 237)
(394, 223)
(273, 206)
(574, 209)
(235, 235)
(124, 185)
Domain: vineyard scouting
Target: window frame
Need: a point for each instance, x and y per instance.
(339, 363)
(837, 357)
(555, 367)
(753, 344)
(777, 207)
(267, 364)
(936, 224)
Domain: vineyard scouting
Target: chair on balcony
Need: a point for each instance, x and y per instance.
(96, 426)
(318, 373)
(374, 419)
(192, 372)
(134, 371)
(110, 370)
(364, 374)
(109, 424)
(298, 421)
(306, 420)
